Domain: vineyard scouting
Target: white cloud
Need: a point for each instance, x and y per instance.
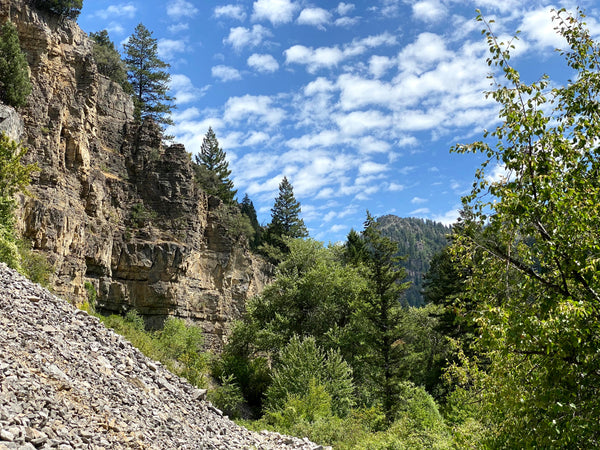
(231, 11)
(240, 37)
(346, 21)
(418, 200)
(253, 108)
(379, 65)
(314, 59)
(344, 8)
(226, 73)
(430, 11)
(395, 187)
(167, 48)
(263, 63)
(184, 90)
(318, 86)
(424, 53)
(317, 17)
(371, 168)
(275, 11)
(447, 218)
(121, 10)
(538, 27)
(329, 57)
(177, 9)
(359, 122)
(178, 27)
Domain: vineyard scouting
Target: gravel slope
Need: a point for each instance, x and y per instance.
(66, 381)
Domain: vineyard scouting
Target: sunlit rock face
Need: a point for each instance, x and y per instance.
(111, 205)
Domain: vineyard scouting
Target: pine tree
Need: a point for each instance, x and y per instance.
(214, 171)
(108, 60)
(15, 86)
(148, 78)
(285, 214)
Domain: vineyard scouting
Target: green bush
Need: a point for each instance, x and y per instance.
(228, 397)
(303, 363)
(108, 60)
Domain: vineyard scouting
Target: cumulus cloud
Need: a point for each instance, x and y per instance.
(263, 63)
(253, 108)
(240, 37)
(127, 10)
(275, 11)
(538, 27)
(231, 11)
(317, 17)
(226, 73)
(177, 9)
(344, 8)
(167, 48)
(184, 90)
(430, 11)
(178, 27)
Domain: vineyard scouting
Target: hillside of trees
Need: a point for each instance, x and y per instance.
(418, 241)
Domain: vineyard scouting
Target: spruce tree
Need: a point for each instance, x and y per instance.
(148, 77)
(285, 214)
(214, 171)
(15, 86)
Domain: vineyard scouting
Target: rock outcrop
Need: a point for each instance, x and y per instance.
(68, 382)
(111, 206)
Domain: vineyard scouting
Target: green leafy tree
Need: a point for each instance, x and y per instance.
(109, 60)
(66, 8)
(213, 174)
(15, 86)
(536, 281)
(148, 77)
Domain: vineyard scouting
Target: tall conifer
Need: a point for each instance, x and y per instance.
(148, 77)
(214, 169)
(15, 86)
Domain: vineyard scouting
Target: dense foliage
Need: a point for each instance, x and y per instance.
(109, 60)
(148, 77)
(64, 8)
(15, 86)
(534, 286)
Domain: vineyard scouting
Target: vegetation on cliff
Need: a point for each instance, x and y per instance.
(15, 86)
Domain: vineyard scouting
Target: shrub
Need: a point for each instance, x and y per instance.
(302, 363)
(228, 397)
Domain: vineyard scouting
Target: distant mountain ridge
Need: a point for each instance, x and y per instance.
(418, 240)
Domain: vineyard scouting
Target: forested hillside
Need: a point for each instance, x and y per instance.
(418, 241)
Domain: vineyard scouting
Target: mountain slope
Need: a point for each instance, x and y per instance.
(67, 380)
(418, 240)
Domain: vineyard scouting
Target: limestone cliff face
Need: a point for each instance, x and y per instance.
(111, 206)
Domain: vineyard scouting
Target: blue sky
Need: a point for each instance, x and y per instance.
(356, 102)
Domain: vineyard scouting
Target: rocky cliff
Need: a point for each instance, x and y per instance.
(111, 205)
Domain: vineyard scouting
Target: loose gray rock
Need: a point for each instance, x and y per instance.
(68, 382)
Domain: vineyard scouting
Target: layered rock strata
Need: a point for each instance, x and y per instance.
(111, 206)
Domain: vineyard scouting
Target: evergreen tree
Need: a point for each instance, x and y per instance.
(214, 169)
(285, 223)
(379, 316)
(108, 59)
(65, 8)
(247, 208)
(149, 80)
(15, 86)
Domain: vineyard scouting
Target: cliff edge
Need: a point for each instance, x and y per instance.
(111, 206)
